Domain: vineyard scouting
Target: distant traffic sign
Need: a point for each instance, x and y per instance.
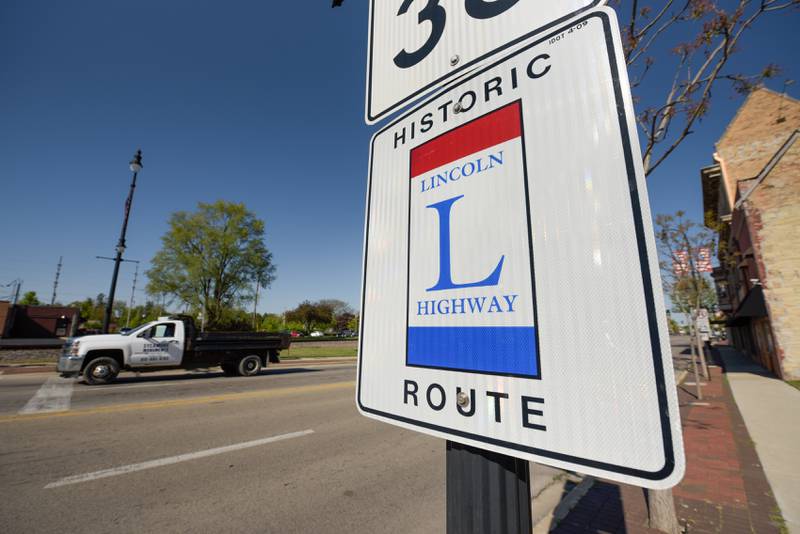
(703, 324)
(511, 298)
(415, 45)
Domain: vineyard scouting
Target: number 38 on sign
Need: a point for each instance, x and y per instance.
(417, 44)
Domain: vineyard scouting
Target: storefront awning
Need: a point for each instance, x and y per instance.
(752, 307)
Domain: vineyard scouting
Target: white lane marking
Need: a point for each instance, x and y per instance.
(122, 470)
(53, 396)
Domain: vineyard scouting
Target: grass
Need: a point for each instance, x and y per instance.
(795, 383)
(777, 519)
(318, 352)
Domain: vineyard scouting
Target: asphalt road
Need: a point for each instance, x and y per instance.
(285, 451)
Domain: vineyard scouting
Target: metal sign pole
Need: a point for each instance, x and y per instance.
(486, 492)
(692, 334)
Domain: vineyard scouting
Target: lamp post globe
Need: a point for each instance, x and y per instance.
(136, 162)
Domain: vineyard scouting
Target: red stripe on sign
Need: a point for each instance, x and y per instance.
(491, 129)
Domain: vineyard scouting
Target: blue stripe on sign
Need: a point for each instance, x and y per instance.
(493, 349)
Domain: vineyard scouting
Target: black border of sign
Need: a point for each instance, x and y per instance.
(538, 374)
(372, 119)
(661, 392)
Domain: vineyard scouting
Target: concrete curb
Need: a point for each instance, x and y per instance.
(26, 369)
(564, 504)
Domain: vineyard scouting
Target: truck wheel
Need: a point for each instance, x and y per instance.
(101, 371)
(249, 365)
(229, 369)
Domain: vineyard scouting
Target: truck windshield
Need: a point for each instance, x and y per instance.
(137, 329)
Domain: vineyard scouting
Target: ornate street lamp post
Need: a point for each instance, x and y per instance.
(136, 166)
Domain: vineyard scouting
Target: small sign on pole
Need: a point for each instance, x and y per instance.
(703, 324)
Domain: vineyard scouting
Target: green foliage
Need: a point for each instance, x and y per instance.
(688, 293)
(30, 299)
(272, 322)
(92, 310)
(330, 315)
(341, 313)
(311, 315)
(674, 327)
(211, 259)
(354, 322)
(234, 320)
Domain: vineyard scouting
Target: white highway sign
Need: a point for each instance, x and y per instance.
(416, 44)
(511, 297)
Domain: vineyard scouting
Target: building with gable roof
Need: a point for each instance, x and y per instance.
(751, 197)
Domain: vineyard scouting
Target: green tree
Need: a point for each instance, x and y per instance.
(340, 312)
(235, 320)
(353, 323)
(683, 245)
(272, 322)
(674, 327)
(311, 315)
(211, 259)
(688, 293)
(30, 299)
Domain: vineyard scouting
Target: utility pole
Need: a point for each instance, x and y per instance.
(133, 295)
(255, 305)
(135, 275)
(695, 314)
(16, 291)
(55, 283)
(135, 166)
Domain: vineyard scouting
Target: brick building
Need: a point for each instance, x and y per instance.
(751, 196)
(5, 311)
(37, 321)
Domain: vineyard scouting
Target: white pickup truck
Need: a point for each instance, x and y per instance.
(169, 343)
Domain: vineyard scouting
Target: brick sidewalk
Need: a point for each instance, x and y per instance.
(724, 490)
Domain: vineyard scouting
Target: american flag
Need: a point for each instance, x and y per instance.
(703, 263)
(680, 264)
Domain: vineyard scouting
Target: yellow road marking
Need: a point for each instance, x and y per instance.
(260, 394)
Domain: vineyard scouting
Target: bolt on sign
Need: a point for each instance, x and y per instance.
(511, 297)
(416, 46)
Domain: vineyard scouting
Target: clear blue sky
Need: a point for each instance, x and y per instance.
(258, 102)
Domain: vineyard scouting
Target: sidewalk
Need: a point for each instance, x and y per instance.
(771, 411)
(725, 489)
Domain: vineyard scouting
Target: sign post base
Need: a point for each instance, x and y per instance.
(486, 492)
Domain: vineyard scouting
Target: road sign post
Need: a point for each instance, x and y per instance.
(511, 298)
(486, 491)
